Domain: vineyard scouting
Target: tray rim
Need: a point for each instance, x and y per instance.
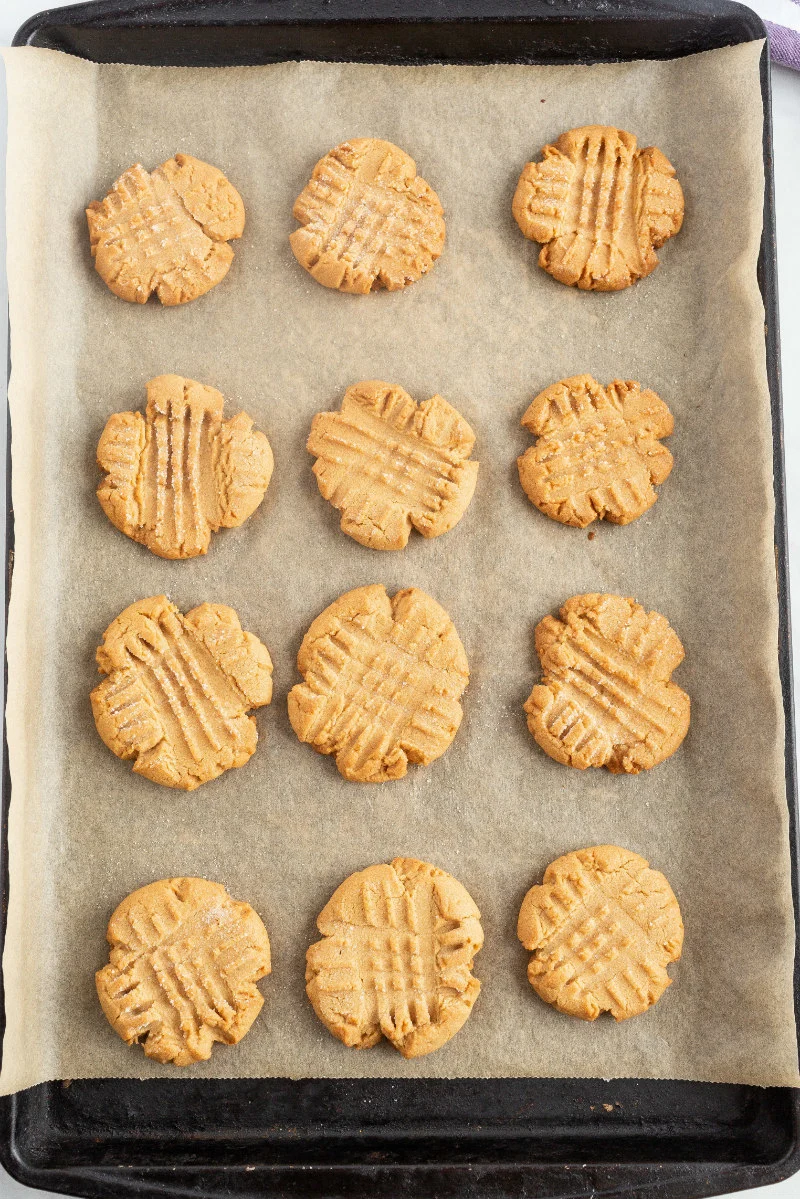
(88, 11)
(85, 1180)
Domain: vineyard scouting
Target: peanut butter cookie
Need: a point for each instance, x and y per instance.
(396, 959)
(166, 231)
(600, 207)
(606, 698)
(602, 929)
(383, 678)
(388, 463)
(184, 963)
(598, 453)
(180, 472)
(179, 690)
(368, 220)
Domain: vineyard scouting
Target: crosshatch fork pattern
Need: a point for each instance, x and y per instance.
(165, 231)
(606, 697)
(179, 689)
(383, 679)
(398, 950)
(368, 220)
(397, 956)
(598, 453)
(389, 463)
(184, 962)
(602, 927)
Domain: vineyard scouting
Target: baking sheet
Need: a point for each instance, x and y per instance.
(488, 330)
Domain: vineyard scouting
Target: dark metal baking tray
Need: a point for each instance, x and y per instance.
(435, 1138)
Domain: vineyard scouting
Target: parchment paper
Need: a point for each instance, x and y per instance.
(488, 330)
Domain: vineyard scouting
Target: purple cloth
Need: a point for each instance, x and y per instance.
(784, 45)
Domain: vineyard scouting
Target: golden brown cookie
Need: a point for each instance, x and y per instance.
(368, 220)
(598, 453)
(388, 463)
(396, 959)
(605, 698)
(179, 689)
(185, 959)
(600, 207)
(602, 928)
(383, 678)
(166, 231)
(180, 472)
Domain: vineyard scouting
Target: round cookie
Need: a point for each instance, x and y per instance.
(185, 959)
(602, 929)
(598, 453)
(605, 698)
(396, 958)
(600, 207)
(368, 220)
(383, 680)
(179, 689)
(179, 473)
(389, 464)
(166, 231)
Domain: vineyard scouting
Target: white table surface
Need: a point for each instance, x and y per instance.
(786, 117)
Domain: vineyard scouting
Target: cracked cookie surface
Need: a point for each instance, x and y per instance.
(179, 689)
(606, 697)
(184, 962)
(602, 928)
(598, 453)
(396, 958)
(390, 464)
(600, 207)
(383, 680)
(166, 231)
(179, 473)
(368, 220)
